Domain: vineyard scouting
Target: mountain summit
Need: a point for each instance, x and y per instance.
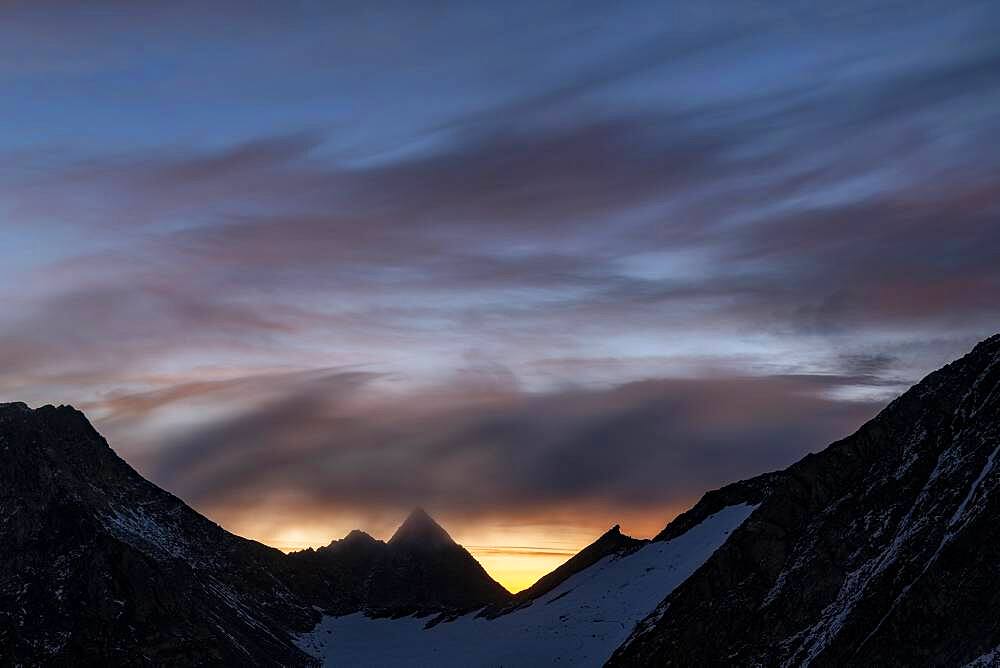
(420, 531)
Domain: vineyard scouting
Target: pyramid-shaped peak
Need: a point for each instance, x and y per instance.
(421, 531)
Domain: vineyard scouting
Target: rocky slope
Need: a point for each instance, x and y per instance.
(96, 563)
(884, 549)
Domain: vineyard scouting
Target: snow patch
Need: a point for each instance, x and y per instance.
(991, 658)
(145, 532)
(987, 468)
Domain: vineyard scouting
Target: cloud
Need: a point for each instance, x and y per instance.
(505, 244)
(265, 245)
(340, 440)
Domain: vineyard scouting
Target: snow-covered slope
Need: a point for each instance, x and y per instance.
(579, 623)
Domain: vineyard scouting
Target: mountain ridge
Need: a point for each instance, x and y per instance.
(880, 548)
(419, 570)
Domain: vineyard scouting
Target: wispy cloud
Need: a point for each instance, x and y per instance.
(265, 246)
(341, 440)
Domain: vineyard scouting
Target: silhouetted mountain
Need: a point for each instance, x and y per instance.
(98, 564)
(420, 570)
(419, 531)
(612, 542)
(424, 569)
(884, 549)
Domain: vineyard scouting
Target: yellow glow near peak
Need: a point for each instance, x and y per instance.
(518, 568)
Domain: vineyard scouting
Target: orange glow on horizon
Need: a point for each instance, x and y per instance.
(517, 568)
(515, 551)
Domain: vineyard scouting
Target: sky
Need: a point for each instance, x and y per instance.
(539, 268)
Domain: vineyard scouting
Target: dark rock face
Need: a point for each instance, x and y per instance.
(98, 564)
(884, 549)
(419, 570)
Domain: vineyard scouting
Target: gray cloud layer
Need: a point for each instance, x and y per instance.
(686, 249)
(476, 445)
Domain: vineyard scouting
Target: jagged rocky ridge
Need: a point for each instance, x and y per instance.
(884, 549)
(420, 570)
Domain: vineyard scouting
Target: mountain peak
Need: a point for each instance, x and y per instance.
(359, 536)
(356, 538)
(420, 530)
